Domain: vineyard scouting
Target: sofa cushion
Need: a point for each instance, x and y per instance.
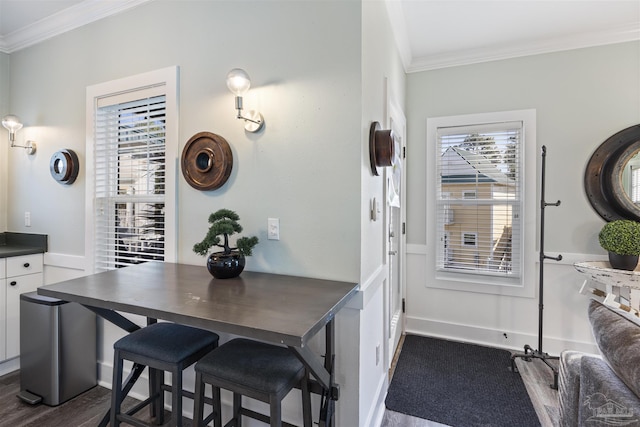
(604, 399)
(617, 334)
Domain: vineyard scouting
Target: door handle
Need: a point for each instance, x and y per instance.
(393, 252)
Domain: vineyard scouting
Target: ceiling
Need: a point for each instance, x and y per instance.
(430, 33)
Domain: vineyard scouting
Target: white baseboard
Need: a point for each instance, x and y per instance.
(492, 337)
(73, 262)
(9, 366)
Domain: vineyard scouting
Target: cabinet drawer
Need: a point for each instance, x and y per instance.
(3, 270)
(21, 265)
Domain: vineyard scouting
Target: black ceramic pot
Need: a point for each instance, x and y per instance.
(623, 262)
(225, 266)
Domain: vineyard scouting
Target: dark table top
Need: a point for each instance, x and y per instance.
(277, 308)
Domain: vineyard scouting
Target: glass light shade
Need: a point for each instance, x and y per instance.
(238, 81)
(11, 123)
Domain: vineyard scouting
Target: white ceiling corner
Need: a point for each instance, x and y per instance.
(433, 34)
(430, 34)
(66, 18)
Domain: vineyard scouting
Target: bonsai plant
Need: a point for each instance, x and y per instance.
(230, 261)
(621, 238)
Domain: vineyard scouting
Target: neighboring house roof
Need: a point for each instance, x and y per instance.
(462, 166)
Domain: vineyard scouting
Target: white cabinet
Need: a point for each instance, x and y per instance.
(20, 274)
(3, 314)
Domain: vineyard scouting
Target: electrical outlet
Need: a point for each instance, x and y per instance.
(273, 229)
(27, 219)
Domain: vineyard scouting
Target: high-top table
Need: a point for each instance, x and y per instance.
(281, 309)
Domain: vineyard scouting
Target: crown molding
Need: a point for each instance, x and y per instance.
(66, 20)
(619, 34)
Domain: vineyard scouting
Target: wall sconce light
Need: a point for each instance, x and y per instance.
(238, 82)
(12, 124)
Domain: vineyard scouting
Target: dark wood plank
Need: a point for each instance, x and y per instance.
(85, 410)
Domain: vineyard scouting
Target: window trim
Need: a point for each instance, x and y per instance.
(167, 77)
(481, 283)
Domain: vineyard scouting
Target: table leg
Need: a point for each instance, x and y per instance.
(327, 413)
(324, 374)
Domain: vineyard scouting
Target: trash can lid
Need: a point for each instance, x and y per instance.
(34, 297)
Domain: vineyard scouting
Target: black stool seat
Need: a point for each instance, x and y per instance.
(166, 342)
(250, 368)
(256, 365)
(162, 347)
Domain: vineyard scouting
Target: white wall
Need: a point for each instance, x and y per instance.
(581, 97)
(4, 138)
(304, 59)
(382, 78)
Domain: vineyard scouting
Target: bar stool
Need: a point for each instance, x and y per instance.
(254, 369)
(162, 347)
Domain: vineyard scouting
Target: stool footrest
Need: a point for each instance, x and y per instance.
(136, 422)
(255, 415)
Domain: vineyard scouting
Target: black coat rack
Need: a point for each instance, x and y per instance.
(529, 353)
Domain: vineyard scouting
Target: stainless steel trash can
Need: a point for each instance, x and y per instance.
(57, 349)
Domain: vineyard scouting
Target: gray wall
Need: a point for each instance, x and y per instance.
(582, 97)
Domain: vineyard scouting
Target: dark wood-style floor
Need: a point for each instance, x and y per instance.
(87, 409)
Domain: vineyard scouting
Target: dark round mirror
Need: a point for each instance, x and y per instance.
(612, 176)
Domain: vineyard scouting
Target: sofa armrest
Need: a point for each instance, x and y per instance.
(569, 387)
(604, 398)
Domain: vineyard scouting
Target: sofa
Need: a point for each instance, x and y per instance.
(603, 390)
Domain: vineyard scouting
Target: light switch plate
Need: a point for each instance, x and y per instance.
(273, 229)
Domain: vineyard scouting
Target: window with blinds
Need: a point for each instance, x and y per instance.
(131, 153)
(130, 165)
(479, 193)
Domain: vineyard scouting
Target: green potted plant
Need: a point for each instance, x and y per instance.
(621, 238)
(230, 261)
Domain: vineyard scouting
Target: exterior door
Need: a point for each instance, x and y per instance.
(396, 238)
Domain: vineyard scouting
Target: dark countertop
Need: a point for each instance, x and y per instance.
(16, 244)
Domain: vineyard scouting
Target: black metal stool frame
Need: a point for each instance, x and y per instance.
(156, 387)
(322, 383)
(155, 400)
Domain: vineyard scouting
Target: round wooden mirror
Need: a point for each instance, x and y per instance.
(206, 161)
(612, 176)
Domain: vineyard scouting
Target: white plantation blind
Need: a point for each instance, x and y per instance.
(479, 199)
(130, 166)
